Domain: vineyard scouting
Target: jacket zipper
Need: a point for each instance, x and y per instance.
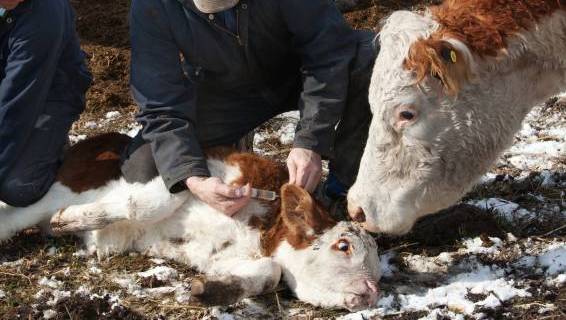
(237, 36)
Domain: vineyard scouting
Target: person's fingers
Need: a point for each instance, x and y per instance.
(246, 191)
(227, 191)
(234, 206)
(302, 177)
(312, 182)
(292, 166)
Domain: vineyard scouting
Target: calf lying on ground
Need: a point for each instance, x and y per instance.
(449, 90)
(325, 263)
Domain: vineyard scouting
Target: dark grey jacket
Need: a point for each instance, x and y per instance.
(41, 64)
(179, 53)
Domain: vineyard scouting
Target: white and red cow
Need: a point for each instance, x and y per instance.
(450, 89)
(324, 263)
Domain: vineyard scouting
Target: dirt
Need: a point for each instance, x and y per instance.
(78, 307)
(103, 28)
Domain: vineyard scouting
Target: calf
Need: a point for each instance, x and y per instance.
(325, 263)
(450, 89)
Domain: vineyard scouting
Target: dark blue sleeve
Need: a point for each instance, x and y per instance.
(327, 46)
(34, 47)
(165, 96)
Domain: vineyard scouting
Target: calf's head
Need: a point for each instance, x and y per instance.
(325, 263)
(438, 124)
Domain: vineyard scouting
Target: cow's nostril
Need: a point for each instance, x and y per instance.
(407, 115)
(358, 215)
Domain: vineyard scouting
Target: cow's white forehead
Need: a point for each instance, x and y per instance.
(403, 28)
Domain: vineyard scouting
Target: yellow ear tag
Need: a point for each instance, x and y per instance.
(453, 56)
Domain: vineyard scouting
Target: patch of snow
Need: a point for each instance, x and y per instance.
(291, 115)
(418, 263)
(51, 251)
(94, 270)
(558, 281)
(157, 261)
(442, 314)
(483, 280)
(83, 290)
(476, 246)
(526, 262)
(287, 133)
(51, 289)
(76, 138)
(91, 125)
(487, 178)
(507, 210)
(133, 131)
(162, 273)
(548, 179)
(80, 253)
(535, 155)
(216, 313)
(51, 283)
(12, 264)
(2, 294)
(549, 307)
(49, 314)
(112, 115)
(182, 293)
(554, 260)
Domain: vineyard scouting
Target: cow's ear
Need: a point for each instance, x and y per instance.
(300, 211)
(442, 60)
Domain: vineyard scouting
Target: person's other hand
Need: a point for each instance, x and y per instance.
(227, 199)
(305, 168)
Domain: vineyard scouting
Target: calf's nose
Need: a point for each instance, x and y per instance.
(373, 293)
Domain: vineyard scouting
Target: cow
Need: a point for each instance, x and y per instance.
(450, 88)
(324, 262)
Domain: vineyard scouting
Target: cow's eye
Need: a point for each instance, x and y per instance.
(343, 245)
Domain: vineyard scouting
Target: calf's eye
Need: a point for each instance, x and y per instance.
(343, 245)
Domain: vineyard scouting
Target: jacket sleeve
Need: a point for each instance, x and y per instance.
(327, 46)
(34, 46)
(165, 96)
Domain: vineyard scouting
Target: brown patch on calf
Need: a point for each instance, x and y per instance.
(259, 172)
(93, 162)
(300, 222)
(484, 26)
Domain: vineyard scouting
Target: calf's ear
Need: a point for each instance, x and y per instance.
(301, 213)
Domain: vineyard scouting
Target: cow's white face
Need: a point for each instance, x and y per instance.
(425, 148)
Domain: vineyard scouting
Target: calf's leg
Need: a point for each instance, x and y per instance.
(230, 281)
(145, 203)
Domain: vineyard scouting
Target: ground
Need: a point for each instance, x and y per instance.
(500, 254)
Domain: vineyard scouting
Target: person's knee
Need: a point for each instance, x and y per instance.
(22, 194)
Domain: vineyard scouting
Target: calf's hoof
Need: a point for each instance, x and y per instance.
(217, 292)
(79, 218)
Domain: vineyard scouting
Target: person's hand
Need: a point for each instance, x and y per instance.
(305, 168)
(9, 4)
(220, 196)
